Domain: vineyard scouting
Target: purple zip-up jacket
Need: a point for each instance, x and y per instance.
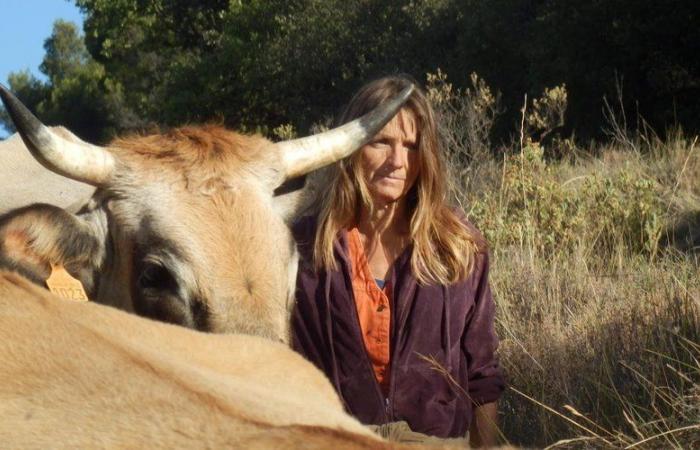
(453, 325)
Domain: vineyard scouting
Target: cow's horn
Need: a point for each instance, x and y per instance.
(301, 156)
(78, 161)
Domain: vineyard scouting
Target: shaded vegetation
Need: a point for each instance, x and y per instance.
(595, 275)
(260, 64)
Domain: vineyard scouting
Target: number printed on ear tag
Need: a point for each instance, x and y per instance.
(61, 283)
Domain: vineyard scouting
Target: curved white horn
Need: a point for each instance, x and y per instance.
(82, 162)
(301, 156)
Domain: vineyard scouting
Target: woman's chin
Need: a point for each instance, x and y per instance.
(382, 199)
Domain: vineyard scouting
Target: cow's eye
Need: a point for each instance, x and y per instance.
(155, 276)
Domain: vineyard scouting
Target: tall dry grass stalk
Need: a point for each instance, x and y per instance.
(596, 276)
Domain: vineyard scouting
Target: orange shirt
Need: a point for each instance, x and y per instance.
(373, 310)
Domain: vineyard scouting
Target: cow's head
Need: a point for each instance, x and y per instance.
(188, 227)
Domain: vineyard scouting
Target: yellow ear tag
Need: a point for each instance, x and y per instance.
(65, 286)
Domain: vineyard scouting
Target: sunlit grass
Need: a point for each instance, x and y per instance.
(598, 293)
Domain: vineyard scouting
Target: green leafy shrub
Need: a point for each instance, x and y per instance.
(534, 208)
(598, 315)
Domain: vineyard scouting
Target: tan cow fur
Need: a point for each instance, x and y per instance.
(209, 191)
(125, 381)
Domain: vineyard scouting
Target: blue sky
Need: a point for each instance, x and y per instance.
(24, 25)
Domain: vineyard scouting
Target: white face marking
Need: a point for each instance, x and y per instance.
(232, 252)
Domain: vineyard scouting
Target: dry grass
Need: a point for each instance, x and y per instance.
(599, 314)
(596, 276)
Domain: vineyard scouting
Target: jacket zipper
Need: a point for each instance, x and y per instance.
(394, 334)
(388, 417)
(368, 367)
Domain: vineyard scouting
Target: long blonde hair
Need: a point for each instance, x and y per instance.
(443, 247)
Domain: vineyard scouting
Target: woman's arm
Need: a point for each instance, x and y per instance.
(485, 379)
(484, 426)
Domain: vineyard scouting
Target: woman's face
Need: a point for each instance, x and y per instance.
(389, 162)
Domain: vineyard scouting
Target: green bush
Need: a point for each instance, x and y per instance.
(598, 314)
(533, 207)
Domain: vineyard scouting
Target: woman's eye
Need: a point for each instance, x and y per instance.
(380, 143)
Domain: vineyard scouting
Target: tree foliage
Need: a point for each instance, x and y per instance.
(523, 46)
(258, 64)
(255, 63)
(77, 93)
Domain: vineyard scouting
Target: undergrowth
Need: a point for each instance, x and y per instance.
(595, 256)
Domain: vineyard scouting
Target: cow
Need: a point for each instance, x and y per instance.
(84, 375)
(188, 227)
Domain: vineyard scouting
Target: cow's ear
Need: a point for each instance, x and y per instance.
(34, 237)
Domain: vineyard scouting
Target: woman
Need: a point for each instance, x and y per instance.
(393, 301)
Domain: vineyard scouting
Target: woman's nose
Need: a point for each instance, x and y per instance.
(396, 155)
